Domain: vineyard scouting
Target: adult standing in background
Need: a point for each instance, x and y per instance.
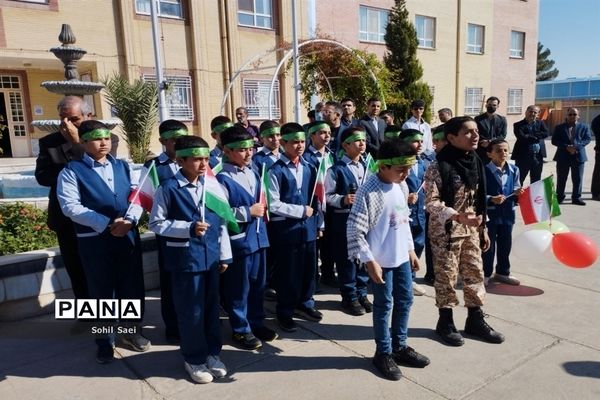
(348, 109)
(570, 140)
(491, 126)
(596, 174)
(530, 150)
(374, 125)
(241, 114)
(416, 121)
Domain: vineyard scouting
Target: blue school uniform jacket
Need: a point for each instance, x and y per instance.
(502, 214)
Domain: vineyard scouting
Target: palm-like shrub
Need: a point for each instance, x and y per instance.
(136, 104)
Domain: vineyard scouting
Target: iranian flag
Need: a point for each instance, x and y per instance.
(538, 202)
(216, 201)
(264, 191)
(319, 188)
(143, 194)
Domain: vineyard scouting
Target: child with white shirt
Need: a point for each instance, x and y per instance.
(379, 236)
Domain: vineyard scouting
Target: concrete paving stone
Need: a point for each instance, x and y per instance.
(577, 366)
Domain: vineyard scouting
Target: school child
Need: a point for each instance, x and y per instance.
(166, 167)
(244, 280)
(503, 189)
(416, 198)
(293, 230)
(218, 125)
(392, 132)
(343, 180)
(270, 134)
(93, 193)
(379, 236)
(197, 249)
(456, 202)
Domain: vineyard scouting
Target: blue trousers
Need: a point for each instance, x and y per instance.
(393, 298)
(353, 279)
(295, 266)
(196, 299)
(562, 172)
(418, 234)
(243, 289)
(500, 245)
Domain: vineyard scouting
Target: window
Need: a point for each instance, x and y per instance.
(515, 101)
(167, 8)
(256, 98)
(372, 24)
(475, 39)
(425, 31)
(473, 101)
(257, 13)
(517, 44)
(178, 96)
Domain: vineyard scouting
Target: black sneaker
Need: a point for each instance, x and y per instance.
(408, 356)
(246, 341)
(448, 332)
(136, 342)
(368, 306)
(387, 366)
(476, 326)
(353, 307)
(311, 314)
(287, 324)
(105, 354)
(265, 334)
(270, 294)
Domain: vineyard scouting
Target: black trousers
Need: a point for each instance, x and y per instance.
(69, 249)
(531, 165)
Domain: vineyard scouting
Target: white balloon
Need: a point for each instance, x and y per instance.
(530, 245)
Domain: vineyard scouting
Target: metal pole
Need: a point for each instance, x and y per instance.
(312, 34)
(163, 112)
(296, 64)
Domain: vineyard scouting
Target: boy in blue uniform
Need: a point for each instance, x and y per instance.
(343, 180)
(197, 249)
(93, 192)
(379, 236)
(218, 125)
(166, 168)
(293, 229)
(270, 134)
(244, 280)
(503, 188)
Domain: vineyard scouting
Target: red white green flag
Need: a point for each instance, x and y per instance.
(216, 200)
(264, 191)
(143, 194)
(319, 188)
(538, 202)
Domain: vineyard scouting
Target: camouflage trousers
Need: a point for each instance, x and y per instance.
(462, 256)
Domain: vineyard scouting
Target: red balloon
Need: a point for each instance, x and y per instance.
(574, 249)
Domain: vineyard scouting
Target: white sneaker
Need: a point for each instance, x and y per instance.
(508, 279)
(199, 373)
(418, 289)
(216, 366)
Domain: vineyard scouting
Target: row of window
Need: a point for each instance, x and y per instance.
(474, 100)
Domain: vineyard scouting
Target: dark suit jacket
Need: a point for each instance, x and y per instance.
(489, 129)
(374, 138)
(527, 135)
(581, 138)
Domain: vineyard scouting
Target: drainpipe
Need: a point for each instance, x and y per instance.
(458, 54)
(225, 48)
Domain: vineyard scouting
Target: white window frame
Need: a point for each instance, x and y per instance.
(369, 33)
(255, 94)
(266, 16)
(473, 100)
(475, 41)
(143, 7)
(515, 101)
(425, 27)
(517, 44)
(178, 96)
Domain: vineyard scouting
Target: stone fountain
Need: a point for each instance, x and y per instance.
(72, 86)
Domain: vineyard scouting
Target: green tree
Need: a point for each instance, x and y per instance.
(136, 104)
(545, 70)
(401, 60)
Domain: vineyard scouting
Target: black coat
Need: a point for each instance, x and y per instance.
(527, 135)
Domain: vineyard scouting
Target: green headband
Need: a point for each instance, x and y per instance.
(174, 133)
(193, 152)
(220, 128)
(355, 137)
(392, 134)
(242, 144)
(403, 161)
(318, 127)
(413, 138)
(438, 136)
(270, 131)
(100, 133)
(294, 136)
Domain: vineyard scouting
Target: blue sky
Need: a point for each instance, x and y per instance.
(570, 29)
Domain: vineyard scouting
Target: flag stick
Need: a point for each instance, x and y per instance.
(261, 187)
(203, 198)
(139, 186)
(316, 182)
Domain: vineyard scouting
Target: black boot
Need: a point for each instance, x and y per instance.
(477, 326)
(446, 329)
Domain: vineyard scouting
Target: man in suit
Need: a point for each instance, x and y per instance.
(530, 150)
(56, 150)
(570, 140)
(491, 126)
(374, 125)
